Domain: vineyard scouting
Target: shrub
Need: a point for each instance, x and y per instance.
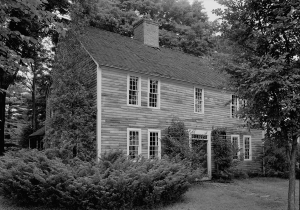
(24, 138)
(176, 145)
(223, 151)
(33, 178)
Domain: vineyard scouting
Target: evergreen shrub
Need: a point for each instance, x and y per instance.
(39, 178)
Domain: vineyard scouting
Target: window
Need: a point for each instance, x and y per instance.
(134, 92)
(235, 140)
(133, 142)
(153, 93)
(247, 148)
(234, 106)
(154, 144)
(199, 100)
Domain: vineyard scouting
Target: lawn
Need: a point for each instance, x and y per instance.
(249, 194)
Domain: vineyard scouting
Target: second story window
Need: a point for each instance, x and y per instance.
(198, 100)
(234, 106)
(153, 97)
(134, 92)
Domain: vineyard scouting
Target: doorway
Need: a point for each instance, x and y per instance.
(200, 143)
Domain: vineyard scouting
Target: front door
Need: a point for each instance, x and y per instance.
(200, 143)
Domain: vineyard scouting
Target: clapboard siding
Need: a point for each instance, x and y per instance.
(176, 100)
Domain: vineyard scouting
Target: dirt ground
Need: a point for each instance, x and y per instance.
(248, 194)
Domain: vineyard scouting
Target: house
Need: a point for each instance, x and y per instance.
(139, 88)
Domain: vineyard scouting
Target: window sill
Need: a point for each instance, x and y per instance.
(199, 113)
(133, 105)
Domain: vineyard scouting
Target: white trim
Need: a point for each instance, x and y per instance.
(159, 142)
(139, 90)
(250, 146)
(208, 133)
(140, 140)
(202, 105)
(99, 111)
(158, 93)
(238, 136)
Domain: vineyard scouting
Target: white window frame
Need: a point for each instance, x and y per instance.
(139, 90)
(140, 140)
(159, 142)
(238, 144)
(250, 147)
(158, 94)
(202, 108)
(231, 105)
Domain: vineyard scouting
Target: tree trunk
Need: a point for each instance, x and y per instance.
(34, 117)
(292, 175)
(2, 121)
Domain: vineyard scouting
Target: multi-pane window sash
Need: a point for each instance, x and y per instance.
(153, 93)
(234, 106)
(247, 148)
(198, 100)
(133, 144)
(153, 145)
(133, 90)
(235, 143)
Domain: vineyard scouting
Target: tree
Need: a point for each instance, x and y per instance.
(20, 22)
(183, 26)
(266, 70)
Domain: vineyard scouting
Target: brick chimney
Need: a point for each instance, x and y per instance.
(146, 31)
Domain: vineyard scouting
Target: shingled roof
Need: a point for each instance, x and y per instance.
(114, 50)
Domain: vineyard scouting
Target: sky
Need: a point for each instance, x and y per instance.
(209, 6)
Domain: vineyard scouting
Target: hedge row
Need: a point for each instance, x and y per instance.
(38, 178)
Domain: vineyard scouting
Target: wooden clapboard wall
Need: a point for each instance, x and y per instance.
(176, 100)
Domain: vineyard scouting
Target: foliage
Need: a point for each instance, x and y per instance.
(72, 102)
(274, 158)
(175, 142)
(266, 71)
(224, 150)
(38, 178)
(183, 26)
(176, 145)
(23, 24)
(24, 140)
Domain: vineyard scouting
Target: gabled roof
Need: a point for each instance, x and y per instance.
(114, 50)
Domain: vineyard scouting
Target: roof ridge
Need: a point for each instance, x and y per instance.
(141, 44)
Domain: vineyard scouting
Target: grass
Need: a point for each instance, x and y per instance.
(248, 194)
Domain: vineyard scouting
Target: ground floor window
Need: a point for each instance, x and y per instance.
(247, 148)
(133, 142)
(154, 144)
